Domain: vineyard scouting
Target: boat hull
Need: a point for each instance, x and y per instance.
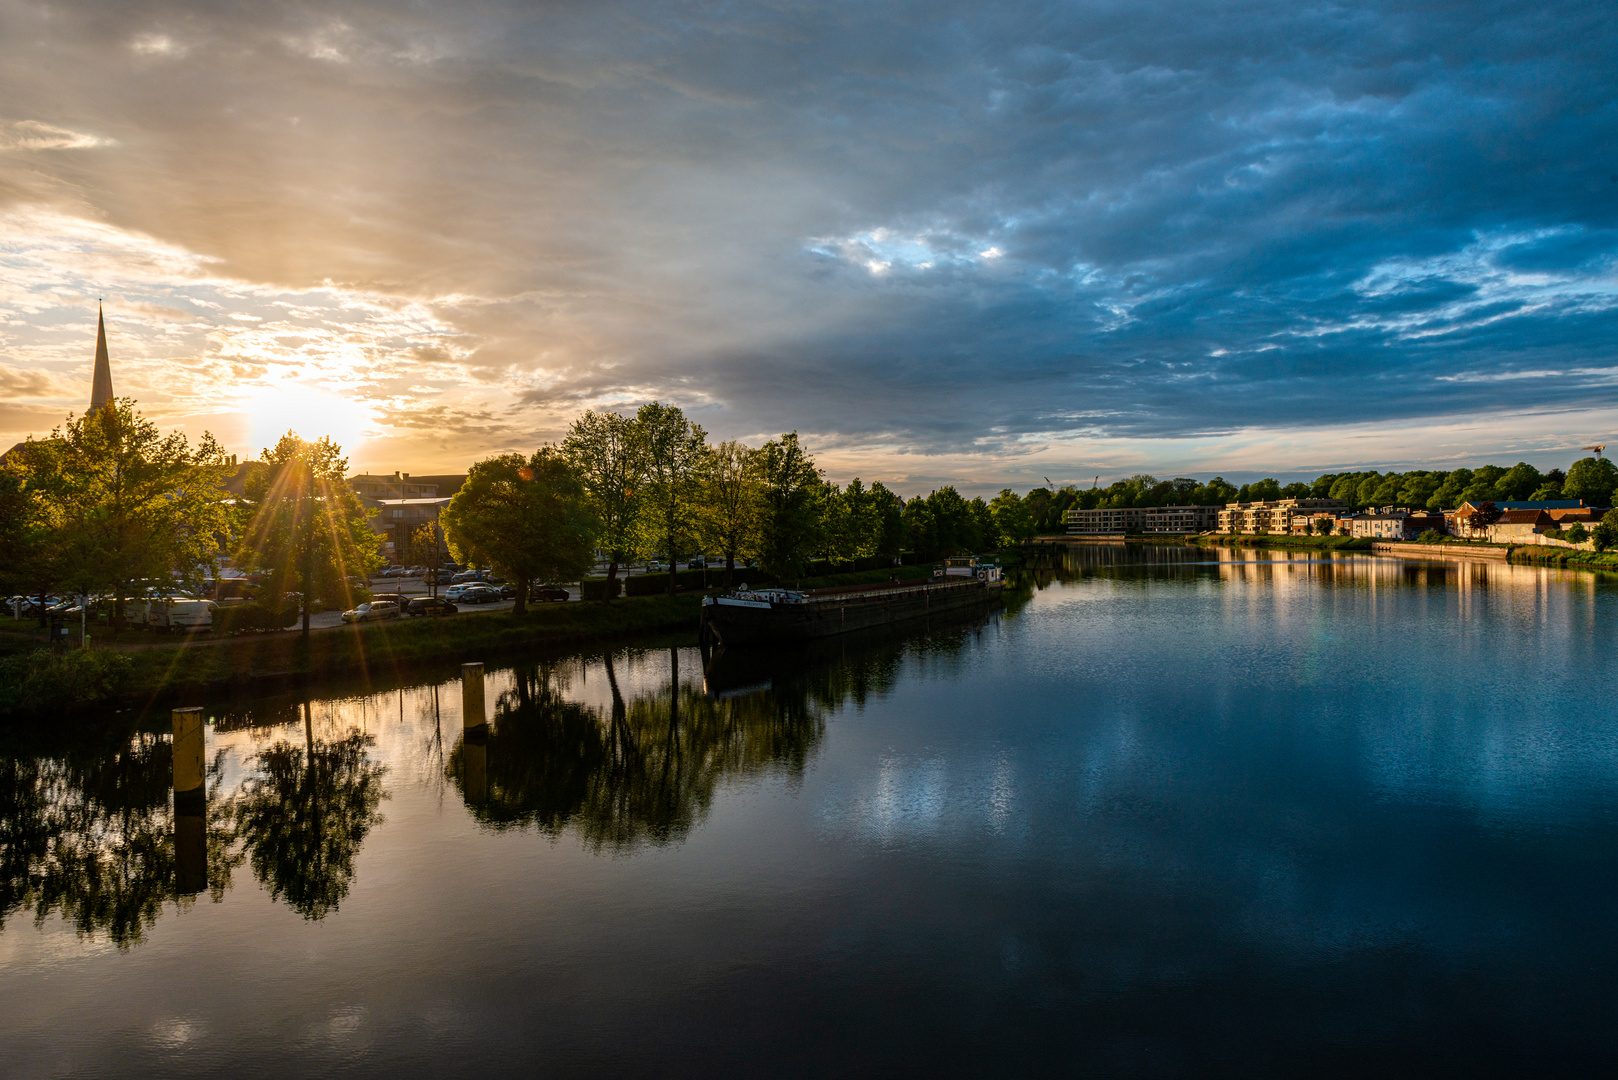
(739, 624)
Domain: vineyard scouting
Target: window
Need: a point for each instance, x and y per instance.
(397, 514)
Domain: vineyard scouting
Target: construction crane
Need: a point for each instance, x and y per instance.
(1094, 482)
(1596, 449)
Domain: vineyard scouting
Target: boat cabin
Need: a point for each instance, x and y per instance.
(968, 566)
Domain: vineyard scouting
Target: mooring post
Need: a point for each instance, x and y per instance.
(190, 802)
(475, 734)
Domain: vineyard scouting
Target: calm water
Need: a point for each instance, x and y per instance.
(1171, 813)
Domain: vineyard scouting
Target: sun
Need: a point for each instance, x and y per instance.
(311, 413)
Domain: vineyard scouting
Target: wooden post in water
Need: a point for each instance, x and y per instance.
(475, 734)
(190, 802)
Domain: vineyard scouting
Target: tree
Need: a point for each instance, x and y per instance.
(120, 505)
(1606, 533)
(789, 505)
(26, 563)
(1011, 518)
(306, 526)
(888, 510)
(529, 518)
(1483, 515)
(427, 549)
(1591, 479)
(728, 510)
(1577, 533)
(676, 454)
(609, 458)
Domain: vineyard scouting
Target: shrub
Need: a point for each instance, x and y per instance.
(596, 588)
(1578, 534)
(241, 618)
(52, 679)
(1430, 536)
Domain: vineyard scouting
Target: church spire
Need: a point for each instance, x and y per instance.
(101, 388)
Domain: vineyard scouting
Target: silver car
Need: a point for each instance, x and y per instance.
(376, 609)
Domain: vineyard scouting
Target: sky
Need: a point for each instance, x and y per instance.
(979, 244)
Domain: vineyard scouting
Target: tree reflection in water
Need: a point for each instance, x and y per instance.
(641, 771)
(302, 816)
(88, 833)
(646, 770)
(90, 836)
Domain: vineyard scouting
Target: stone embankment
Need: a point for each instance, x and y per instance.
(1442, 551)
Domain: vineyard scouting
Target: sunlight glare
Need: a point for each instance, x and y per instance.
(311, 413)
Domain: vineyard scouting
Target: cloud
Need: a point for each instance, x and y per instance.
(994, 234)
(17, 135)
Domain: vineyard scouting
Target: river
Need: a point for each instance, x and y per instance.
(1171, 812)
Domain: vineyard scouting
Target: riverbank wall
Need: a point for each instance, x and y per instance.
(1442, 551)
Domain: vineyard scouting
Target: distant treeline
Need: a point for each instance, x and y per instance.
(1591, 479)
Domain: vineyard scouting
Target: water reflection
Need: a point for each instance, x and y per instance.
(641, 770)
(621, 750)
(91, 836)
(303, 814)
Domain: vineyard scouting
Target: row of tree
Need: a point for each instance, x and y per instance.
(1592, 479)
(652, 484)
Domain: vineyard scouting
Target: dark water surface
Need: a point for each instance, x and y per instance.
(1173, 812)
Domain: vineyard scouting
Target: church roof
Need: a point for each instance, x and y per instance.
(101, 388)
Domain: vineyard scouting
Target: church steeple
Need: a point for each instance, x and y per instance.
(101, 388)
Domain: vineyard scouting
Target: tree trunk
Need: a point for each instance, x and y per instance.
(730, 567)
(673, 561)
(521, 606)
(612, 576)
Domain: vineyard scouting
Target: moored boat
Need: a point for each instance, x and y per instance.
(753, 615)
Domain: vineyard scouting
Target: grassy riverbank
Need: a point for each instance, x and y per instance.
(37, 681)
(1571, 558)
(201, 664)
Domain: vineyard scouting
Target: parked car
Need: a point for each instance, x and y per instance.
(654, 567)
(430, 605)
(548, 593)
(474, 594)
(443, 577)
(508, 591)
(698, 562)
(376, 609)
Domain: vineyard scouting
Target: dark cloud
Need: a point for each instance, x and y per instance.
(941, 226)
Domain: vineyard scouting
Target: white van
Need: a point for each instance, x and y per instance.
(162, 614)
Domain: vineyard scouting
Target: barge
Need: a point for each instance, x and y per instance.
(748, 616)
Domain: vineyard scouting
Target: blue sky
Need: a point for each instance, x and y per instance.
(969, 243)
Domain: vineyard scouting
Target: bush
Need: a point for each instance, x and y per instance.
(1430, 536)
(1577, 534)
(52, 679)
(241, 618)
(596, 588)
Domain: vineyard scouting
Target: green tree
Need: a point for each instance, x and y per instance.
(26, 554)
(306, 526)
(888, 510)
(1519, 482)
(609, 456)
(729, 508)
(1577, 533)
(529, 518)
(121, 504)
(1606, 533)
(676, 457)
(1011, 518)
(789, 505)
(1591, 479)
(427, 549)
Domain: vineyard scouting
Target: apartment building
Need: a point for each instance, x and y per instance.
(1142, 519)
(1270, 516)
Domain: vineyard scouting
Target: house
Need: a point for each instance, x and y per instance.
(1386, 524)
(1461, 516)
(1517, 526)
(403, 504)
